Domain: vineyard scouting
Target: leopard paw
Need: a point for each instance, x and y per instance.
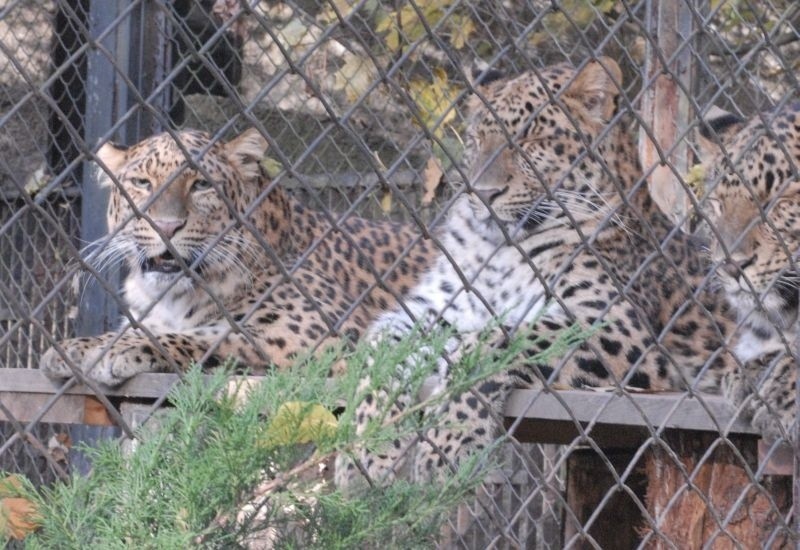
(120, 363)
(59, 361)
(772, 422)
(111, 367)
(735, 387)
(767, 390)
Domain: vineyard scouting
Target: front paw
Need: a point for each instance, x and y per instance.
(772, 422)
(767, 390)
(775, 408)
(112, 367)
(736, 387)
(120, 363)
(58, 361)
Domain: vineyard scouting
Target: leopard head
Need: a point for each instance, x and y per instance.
(753, 173)
(184, 202)
(539, 151)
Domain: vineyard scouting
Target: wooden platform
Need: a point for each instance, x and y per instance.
(610, 419)
(547, 416)
(620, 423)
(614, 418)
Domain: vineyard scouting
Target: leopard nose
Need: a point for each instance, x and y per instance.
(731, 269)
(168, 226)
(736, 266)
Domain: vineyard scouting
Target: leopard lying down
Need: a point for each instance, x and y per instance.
(754, 204)
(557, 228)
(222, 263)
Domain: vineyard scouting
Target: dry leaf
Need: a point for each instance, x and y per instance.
(10, 486)
(431, 178)
(18, 515)
(386, 202)
(355, 77)
(58, 446)
(273, 167)
(435, 100)
(461, 28)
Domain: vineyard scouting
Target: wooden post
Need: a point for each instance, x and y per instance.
(618, 523)
(745, 517)
(665, 107)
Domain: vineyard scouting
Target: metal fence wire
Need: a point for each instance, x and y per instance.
(382, 110)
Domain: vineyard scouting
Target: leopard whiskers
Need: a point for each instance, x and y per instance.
(103, 254)
(608, 209)
(236, 254)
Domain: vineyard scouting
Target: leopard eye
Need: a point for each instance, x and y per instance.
(141, 183)
(201, 185)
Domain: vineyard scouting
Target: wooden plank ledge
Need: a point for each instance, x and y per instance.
(670, 410)
(611, 419)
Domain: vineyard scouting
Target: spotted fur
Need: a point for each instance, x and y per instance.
(222, 263)
(559, 228)
(753, 170)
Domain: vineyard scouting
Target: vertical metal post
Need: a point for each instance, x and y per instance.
(97, 311)
(149, 61)
(665, 108)
(134, 48)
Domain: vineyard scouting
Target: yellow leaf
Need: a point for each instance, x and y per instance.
(538, 38)
(273, 167)
(182, 520)
(407, 21)
(384, 23)
(431, 177)
(345, 8)
(435, 101)
(461, 28)
(696, 178)
(300, 422)
(294, 33)
(605, 6)
(354, 77)
(10, 486)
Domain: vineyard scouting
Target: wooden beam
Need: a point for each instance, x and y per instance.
(25, 407)
(670, 410)
(144, 386)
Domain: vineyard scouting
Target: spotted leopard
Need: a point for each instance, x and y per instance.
(752, 170)
(556, 228)
(223, 263)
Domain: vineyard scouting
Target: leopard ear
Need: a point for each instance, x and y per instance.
(246, 151)
(113, 156)
(596, 88)
(717, 128)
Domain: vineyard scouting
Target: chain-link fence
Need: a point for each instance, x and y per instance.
(375, 124)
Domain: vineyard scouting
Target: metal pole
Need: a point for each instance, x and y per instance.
(97, 312)
(135, 49)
